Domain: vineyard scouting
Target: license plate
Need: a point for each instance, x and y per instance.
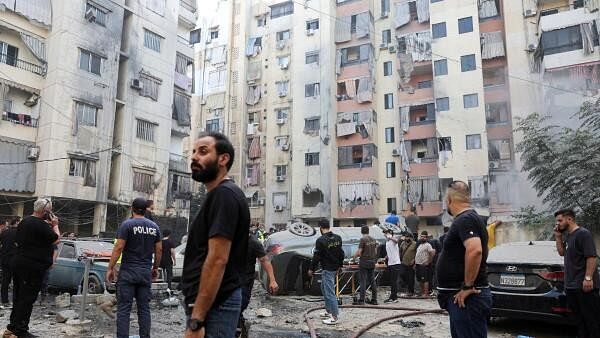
(512, 280)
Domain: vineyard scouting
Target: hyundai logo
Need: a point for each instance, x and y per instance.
(511, 268)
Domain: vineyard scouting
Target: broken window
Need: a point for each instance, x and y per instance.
(143, 181)
(89, 62)
(93, 13)
(312, 198)
(181, 108)
(282, 9)
(311, 90)
(422, 150)
(496, 112)
(311, 159)
(145, 130)
(357, 156)
(562, 40)
(473, 141)
(356, 54)
(152, 40)
(499, 150)
(312, 124)
(67, 251)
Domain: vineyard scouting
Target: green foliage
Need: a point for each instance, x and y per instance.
(528, 217)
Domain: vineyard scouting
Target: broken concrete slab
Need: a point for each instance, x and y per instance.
(101, 299)
(90, 299)
(64, 316)
(263, 312)
(63, 301)
(76, 327)
(171, 301)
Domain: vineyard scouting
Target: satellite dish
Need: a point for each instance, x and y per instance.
(302, 229)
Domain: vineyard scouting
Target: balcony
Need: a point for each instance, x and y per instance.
(178, 163)
(22, 64)
(188, 13)
(20, 119)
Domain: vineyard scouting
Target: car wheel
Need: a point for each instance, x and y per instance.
(302, 229)
(95, 285)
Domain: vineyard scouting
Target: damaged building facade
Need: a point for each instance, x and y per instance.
(96, 106)
(383, 103)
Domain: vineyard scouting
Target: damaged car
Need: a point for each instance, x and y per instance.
(291, 252)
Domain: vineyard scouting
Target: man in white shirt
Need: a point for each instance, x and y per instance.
(423, 259)
(393, 264)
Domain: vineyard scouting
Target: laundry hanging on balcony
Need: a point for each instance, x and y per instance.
(401, 14)
(338, 62)
(345, 129)
(343, 29)
(254, 149)
(405, 67)
(418, 44)
(181, 108)
(487, 9)
(404, 118)
(254, 70)
(365, 90)
(587, 37)
(363, 25)
(592, 5)
(254, 95)
(492, 45)
(350, 88)
(422, 10)
(353, 194)
(404, 157)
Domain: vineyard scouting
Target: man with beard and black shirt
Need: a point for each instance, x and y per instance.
(168, 259)
(463, 288)
(35, 239)
(214, 266)
(7, 252)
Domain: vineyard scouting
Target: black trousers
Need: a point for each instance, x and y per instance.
(168, 270)
(408, 277)
(585, 307)
(394, 280)
(7, 277)
(367, 278)
(27, 285)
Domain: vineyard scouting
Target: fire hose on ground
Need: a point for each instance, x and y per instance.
(413, 312)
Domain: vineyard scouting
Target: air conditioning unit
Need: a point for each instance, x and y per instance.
(395, 152)
(203, 101)
(280, 121)
(284, 66)
(285, 147)
(529, 12)
(310, 32)
(32, 100)
(383, 45)
(280, 178)
(137, 84)
(278, 208)
(261, 201)
(33, 153)
(385, 14)
(90, 15)
(392, 49)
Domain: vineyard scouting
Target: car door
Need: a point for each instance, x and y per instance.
(64, 273)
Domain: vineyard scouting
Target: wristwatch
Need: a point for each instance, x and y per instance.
(195, 324)
(588, 278)
(466, 287)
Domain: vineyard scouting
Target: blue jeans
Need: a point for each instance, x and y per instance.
(222, 320)
(328, 291)
(470, 321)
(133, 282)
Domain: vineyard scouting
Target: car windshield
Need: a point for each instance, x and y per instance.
(96, 248)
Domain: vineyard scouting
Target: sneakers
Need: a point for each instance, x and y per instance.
(389, 301)
(330, 321)
(324, 314)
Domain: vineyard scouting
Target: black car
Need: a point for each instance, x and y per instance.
(527, 281)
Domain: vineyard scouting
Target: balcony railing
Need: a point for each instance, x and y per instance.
(178, 163)
(421, 123)
(15, 62)
(21, 119)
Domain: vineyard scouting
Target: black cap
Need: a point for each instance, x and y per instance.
(139, 204)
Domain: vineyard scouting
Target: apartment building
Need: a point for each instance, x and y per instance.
(96, 107)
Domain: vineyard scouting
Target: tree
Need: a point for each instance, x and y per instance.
(564, 163)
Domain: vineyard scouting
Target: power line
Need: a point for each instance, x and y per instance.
(58, 158)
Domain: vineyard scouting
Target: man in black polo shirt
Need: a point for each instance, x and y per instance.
(463, 288)
(214, 267)
(581, 273)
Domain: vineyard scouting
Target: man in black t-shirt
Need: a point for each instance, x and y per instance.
(214, 267)
(35, 239)
(7, 252)
(463, 288)
(168, 256)
(581, 273)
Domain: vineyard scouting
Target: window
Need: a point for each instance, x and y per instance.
(282, 113)
(499, 150)
(143, 181)
(216, 78)
(445, 144)
(282, 9)
(281, 170)
(440, 67)
(390, 169)
(311, 90)
(562, 40)
(473, 141)
(94, 14)
(67, 251)
(8, 54)
(424, 84)
(388, 100)
(312, 57)
(152, 40)
(150, 86)
(467, 63)
(391, 204)
(385, 8)
(389, 135)
(496, 112)
(465, 25)
(283, 35)
(495, 76)
(214, 34)
(145, 130)
(86, 114)
(438, 30)
(283, 62)
(90, 62)
(281, 141)
(311, 159)
(434, 1)
(356, 156)
(253, 117)
(312, 124)
(387, 68)
(212, 125)
(442, 104)
(261, 21)
(76, 167)
(195, 36)
(470, 100)
(356, 54)
(312, 24)
(386, 36)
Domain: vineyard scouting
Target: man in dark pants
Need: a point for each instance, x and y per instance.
(581, 274)
(168, 257)
(408, 251)
(137, 239)
(463, 288)
(255, 251)
(367, 251)
(214, 266)
(36, 235)
(7, 252)
(393, 265)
